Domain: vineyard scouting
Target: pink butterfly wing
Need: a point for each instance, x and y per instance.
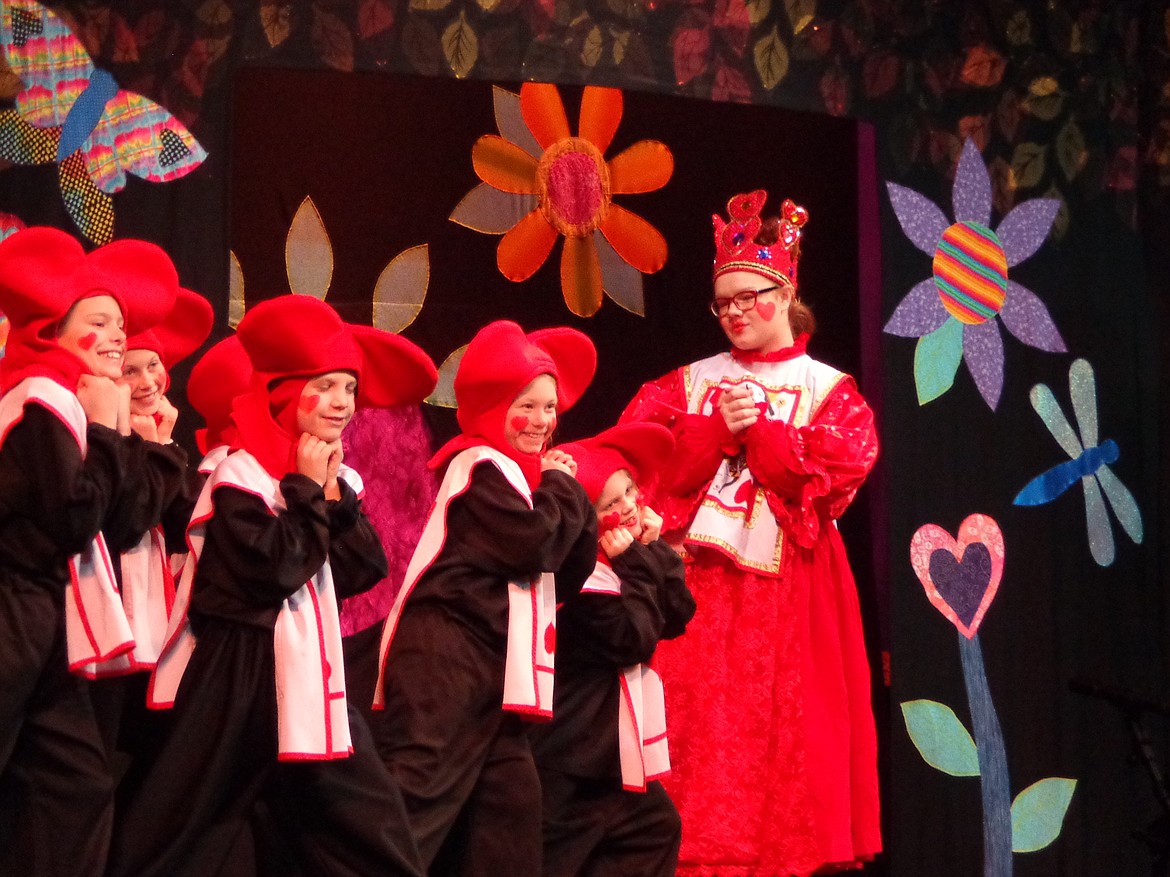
(138, 136)
(51, 62)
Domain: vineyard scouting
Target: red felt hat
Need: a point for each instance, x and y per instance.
(301, 336)
(298, 336)
(502, 360)
(735, 239)
(44, 272)
(499, 363)
(639, 447)
(221, 374)
(181, 332)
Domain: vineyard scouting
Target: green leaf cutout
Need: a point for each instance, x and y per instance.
(1038, 813)
(936, 360)
(940, 737)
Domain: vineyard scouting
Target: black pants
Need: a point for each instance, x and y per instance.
(464, 765)
(594, 828)
(340, 817)
(56, 791)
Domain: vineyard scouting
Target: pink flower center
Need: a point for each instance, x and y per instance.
(574, 187)
(574, 183)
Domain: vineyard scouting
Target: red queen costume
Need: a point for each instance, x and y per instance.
(774, 748)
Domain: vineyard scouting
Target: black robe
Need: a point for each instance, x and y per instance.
(464, 764)
(592, 824)
(343, 816)
(55, 782)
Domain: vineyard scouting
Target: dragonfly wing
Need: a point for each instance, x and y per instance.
(1082, 389)
(1049, 410)
(1100, 529)
(1124, 505)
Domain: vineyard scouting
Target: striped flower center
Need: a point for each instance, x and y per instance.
(970, 272)
(574, 182)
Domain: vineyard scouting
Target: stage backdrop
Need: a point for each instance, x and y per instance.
(1021, 339)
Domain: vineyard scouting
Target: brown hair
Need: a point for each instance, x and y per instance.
(800, 315)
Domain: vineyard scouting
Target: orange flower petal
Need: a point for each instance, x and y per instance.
(524, 248)
(544, 113)
(636, 240)
(504, 165)
(644, 167)
(581, 276)
(601, 111)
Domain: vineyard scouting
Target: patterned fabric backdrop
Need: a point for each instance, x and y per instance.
(1063, 103)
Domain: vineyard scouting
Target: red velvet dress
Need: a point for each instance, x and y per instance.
(768, 697)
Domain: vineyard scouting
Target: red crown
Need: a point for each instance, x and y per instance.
(735, 246)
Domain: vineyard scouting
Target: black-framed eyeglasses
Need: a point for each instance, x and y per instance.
(745, 300)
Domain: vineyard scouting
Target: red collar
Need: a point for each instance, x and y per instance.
(797, 349)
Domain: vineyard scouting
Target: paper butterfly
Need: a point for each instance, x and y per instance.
(1089, 464)
(74, 114)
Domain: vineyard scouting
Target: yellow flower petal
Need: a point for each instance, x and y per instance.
(634, 239)
(524, 249)
(544, 113)
(581, 276)
(601, 111)
(644, 167)
(504, 165)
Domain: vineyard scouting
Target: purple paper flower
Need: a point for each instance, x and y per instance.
(953, 313)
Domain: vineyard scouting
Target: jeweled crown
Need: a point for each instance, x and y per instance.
(735, 245)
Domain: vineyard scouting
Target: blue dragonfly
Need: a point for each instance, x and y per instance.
(1089, 464)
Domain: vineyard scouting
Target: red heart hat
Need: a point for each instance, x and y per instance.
(221, 374)
(298, 336)
(639, 447)
(181, 332)
(44, 272)
(499, 363)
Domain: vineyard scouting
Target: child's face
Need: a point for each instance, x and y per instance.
(618, 504)
(532, 416)
(146, 376)
(92, 331)
(327, 404)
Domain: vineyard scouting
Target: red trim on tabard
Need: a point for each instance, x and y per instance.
(535, 640)
(655, 739)
(325, 670)
(151, 701)
(310, 756)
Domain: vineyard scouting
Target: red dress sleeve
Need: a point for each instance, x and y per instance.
(810, 474)
(698, 451)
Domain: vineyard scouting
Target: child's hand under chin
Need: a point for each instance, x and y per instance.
(651, 525)
(615, 541)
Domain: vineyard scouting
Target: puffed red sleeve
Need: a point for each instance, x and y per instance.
(810, 474)
(698, 450)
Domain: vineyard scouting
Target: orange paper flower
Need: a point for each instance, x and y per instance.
(573, 186)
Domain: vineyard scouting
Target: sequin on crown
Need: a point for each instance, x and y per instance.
(735, 245)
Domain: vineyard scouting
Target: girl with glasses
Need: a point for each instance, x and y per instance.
(774, 750)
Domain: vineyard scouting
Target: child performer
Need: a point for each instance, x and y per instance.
(149, 520)
(600, 756)
(277, 535)
(771, 447)
(61, 461)
(467, 647)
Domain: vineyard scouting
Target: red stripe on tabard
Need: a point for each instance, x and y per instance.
(327, 709)
(535, 637)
